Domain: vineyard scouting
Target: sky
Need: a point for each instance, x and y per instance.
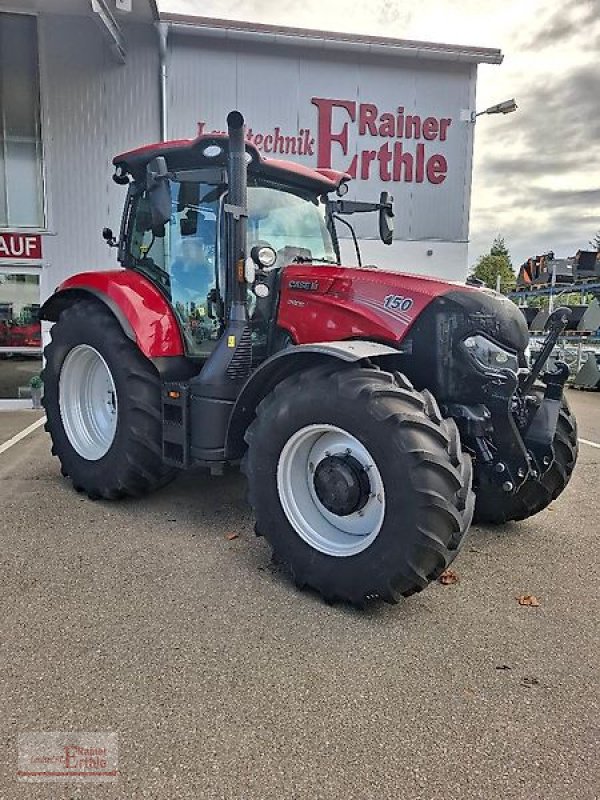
(536, 174)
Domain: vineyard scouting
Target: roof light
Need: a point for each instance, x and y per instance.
(212, 151)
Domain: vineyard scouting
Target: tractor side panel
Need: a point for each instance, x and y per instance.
(147, 310)
(324, 304)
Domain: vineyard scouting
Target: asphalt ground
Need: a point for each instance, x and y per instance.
(224, 681)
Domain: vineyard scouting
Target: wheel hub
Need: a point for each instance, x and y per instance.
(331, 490)
(342, 484)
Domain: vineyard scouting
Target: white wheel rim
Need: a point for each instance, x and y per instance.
(325, 531)
(87, 400)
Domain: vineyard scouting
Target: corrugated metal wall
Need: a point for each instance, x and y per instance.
(273, 87)
(92, 108)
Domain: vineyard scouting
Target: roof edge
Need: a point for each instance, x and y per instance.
(411, 48)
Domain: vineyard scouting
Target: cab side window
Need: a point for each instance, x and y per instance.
(181, 259)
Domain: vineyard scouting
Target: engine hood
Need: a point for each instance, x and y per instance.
(324, 303)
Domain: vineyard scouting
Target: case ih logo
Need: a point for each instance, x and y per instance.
(20, 245)
(305, 286)
(398, 146)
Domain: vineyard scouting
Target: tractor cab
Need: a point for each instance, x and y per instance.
(174, 230)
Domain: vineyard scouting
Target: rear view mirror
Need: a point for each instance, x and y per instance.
(386, 218)
(158, 191)
(188, 225)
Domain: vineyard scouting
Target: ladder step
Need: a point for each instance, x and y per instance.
(175, 424)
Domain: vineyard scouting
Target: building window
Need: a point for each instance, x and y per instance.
(20, 332)
(21, 194)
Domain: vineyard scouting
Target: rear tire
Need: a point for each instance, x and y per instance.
(107, 454)
(419, 469)
(493, 507)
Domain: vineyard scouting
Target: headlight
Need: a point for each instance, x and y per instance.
(263, 256)
(490, 355)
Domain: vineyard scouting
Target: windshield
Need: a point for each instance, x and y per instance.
(294, 226)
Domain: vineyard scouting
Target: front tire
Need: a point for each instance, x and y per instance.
(358, 483)
(102, 402)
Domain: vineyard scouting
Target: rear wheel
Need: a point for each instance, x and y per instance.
(494, 507)
(102, 402)
(358, 483)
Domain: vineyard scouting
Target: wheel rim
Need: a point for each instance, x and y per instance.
(309, 452)
(88, 402)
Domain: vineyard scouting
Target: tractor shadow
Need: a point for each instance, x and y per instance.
(212, 513)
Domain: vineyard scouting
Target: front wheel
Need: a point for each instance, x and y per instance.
(358, 483)
(102, 402)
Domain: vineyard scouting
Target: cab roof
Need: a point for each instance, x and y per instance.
(182, 154)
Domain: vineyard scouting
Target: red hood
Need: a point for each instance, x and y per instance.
(321, 303)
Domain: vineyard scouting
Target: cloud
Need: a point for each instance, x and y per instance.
(572, 19)
(545, 159)
(588, 198)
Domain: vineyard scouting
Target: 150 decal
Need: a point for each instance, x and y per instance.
(397, 302)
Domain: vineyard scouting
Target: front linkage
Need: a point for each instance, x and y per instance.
(512, 432)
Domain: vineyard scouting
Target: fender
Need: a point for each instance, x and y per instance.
(142, 310)
(283, 364)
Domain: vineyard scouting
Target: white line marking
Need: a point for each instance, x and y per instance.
(591, 444)
(17, 438)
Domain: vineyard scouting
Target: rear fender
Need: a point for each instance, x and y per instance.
(285, 363)
(141, 309)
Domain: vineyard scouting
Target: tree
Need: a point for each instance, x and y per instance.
(595, 243)
(499, 248)
(488, 268)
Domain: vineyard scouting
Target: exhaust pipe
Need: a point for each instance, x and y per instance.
(236, 209)
(214, 390)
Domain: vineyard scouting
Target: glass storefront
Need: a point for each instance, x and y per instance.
(21, 195)
(20, 333)
(21, 204)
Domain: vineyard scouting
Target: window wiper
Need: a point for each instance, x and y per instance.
(310, 259)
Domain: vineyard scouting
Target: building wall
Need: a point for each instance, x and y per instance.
(284, 90)
(92, 108)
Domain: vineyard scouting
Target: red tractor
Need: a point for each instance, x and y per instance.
(359, 402)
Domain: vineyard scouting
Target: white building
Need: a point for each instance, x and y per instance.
(81, 80)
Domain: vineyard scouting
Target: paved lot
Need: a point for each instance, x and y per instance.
(224, 681)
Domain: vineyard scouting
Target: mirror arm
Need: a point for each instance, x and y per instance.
(354, 239)
(352, 207)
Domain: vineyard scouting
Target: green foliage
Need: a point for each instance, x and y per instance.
(36, 382)
(538, 302)
(488, 268)
(499, 248)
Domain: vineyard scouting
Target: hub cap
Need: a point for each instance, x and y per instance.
(342, 484)
(88, 402)
(331, 490)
